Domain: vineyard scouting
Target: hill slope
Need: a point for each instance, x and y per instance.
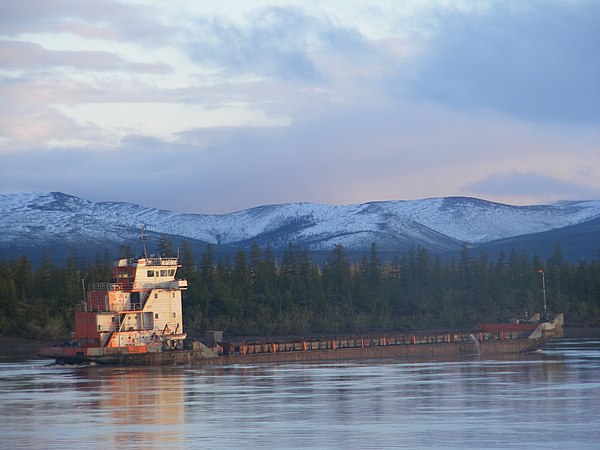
(34, 220)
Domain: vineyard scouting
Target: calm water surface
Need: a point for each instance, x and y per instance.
(549, 399)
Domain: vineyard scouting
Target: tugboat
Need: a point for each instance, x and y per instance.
(136, 318)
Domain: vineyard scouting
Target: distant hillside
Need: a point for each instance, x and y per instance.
(57, 223)
(577, 242)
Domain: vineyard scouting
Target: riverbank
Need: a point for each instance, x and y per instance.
(582, 332)
(14, 347)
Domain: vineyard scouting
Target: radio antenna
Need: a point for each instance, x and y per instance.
(144, 238)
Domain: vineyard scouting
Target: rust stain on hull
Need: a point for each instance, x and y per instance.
(424, 351)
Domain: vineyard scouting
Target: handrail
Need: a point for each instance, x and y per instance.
(384, 341)
(153, 261)
(163, 284)
(101, 287)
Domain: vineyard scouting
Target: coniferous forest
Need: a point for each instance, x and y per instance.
(255, 293)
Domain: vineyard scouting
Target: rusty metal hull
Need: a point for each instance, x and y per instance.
(406, 351)
(426, 351)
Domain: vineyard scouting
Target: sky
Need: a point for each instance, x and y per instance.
(215, 107)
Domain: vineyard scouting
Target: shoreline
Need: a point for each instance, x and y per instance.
(12, 347)
(582, 332)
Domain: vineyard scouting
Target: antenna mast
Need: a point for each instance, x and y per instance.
(84, 299)
(144, 238)
(543, 287)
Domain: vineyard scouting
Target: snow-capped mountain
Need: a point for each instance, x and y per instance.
(439, 224)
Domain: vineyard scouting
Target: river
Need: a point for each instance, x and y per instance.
(547, 399)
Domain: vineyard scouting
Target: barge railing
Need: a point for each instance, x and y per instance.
(473, 337)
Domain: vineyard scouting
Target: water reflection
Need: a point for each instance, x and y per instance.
(145, 406)
(537, 400)
(91, 406)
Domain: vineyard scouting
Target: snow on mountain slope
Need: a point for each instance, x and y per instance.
(476, 221)
(438, 223)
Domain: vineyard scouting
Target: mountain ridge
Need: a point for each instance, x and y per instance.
(440, 224)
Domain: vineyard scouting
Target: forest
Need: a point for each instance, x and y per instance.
(256, 293)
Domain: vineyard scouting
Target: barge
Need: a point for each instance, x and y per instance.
(137, 320)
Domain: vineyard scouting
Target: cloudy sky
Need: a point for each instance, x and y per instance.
(212, 107)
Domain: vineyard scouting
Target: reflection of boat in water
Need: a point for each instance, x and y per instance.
(127, 411)
(137, 320)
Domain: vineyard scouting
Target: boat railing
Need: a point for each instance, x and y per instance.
(101, 287)
(370, 342)
(138, 285)
(160, 261)
(149, 261)
(84, 307)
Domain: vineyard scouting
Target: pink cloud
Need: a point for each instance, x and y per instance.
(18, 54)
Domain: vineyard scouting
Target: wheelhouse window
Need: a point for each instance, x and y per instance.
(150, 273)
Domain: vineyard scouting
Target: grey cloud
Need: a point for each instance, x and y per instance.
(105, 19)
(17, 54)
(536, 60)
(223, 170)
(530, 184)
(341, 155)
(276, 42)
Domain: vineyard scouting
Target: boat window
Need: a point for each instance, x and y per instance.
(155, 295)
(150, 273)
(163, 273)
(171, 272)
(156, 316)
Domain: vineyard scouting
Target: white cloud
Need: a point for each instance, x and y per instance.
(163, 120)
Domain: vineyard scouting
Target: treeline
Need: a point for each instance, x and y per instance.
(39, 303)
(256, 293)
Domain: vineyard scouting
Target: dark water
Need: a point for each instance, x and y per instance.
(543, 400)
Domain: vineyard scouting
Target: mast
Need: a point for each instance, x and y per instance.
(144, 238)
(543, 291)
(85, 306)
